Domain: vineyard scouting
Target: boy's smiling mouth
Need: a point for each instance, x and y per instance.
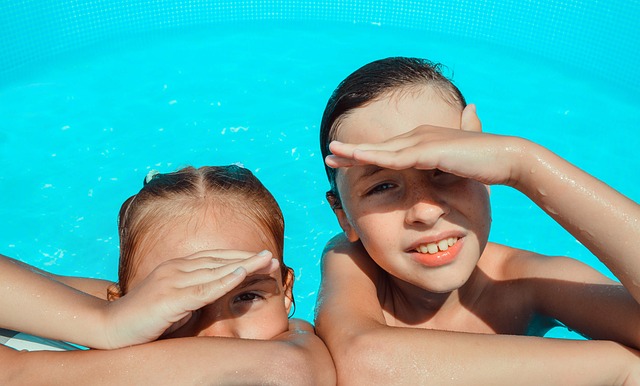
(435, 247)
(436, 253)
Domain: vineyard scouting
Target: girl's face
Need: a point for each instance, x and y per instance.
(256, 309)
(424, 227)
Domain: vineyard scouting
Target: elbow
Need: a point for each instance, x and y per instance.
(363, 360)
(301, 366)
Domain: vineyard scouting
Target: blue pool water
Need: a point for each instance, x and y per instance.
(78, 134)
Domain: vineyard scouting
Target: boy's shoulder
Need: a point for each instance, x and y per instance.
(503, 262)
(341, 249)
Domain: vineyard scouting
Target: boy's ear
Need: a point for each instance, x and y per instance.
(470, 120)
(288, 290)
(345, 224)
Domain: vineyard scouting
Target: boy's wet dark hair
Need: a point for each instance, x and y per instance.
(371, 82)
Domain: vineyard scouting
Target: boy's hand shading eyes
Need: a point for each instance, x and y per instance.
(165, 300)
(469, 153)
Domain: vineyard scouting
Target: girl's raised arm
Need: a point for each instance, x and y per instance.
(34, 302)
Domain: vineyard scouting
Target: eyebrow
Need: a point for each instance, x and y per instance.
(368, 171)
(254, 279)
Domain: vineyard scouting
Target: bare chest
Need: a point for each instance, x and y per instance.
(503, 311)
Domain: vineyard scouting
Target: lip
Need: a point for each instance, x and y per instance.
(437, 259)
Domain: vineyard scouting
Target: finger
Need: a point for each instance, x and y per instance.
(345, 150)
(176, 325)
(221, 258)
(470, 120)
(386, 159)
(203, 270)
(275, 264)
(221, 253)
(334, 161)
(207, 262)
(254, 263)
(232, 280)
(257, 262)
(209, 292)
(340, 149)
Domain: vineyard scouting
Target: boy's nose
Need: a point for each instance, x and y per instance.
(425, 210)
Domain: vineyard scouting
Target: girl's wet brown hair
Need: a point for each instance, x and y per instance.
(232, 191)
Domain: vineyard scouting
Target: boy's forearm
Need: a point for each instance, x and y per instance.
(405, 356)
(601, 218)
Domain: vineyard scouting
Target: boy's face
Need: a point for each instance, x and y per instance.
(256, 309)
(424, 227)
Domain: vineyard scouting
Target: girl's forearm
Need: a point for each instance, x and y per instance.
(184, 361)
(35, 303)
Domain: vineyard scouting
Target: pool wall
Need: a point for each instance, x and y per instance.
(598, 37)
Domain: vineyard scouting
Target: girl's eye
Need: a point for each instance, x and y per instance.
(380, 188)
(247, 297)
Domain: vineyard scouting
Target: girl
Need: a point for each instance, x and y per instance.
(195, 214)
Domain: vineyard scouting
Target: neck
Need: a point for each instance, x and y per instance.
(411, 305)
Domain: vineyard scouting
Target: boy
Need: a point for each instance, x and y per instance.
(414, 292)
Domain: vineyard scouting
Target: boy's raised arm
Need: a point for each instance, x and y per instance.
(367, 351)
(605, 221)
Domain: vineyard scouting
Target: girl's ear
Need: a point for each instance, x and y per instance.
(470, 120)
(113, 292)
(341, 215)
(288, 290)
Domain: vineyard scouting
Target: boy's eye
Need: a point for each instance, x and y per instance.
(247, 297)
(379, 188)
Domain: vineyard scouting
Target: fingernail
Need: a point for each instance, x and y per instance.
(263, 253)
(239, 271)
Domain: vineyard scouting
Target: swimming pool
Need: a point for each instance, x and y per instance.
(94, 94)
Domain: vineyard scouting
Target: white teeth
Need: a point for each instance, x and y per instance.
(441, 245)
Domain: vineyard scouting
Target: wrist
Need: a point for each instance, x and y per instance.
(105, 334)
(529, 161)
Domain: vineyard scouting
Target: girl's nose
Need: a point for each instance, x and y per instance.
(222, 328)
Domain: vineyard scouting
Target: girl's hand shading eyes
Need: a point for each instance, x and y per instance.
(166, 299)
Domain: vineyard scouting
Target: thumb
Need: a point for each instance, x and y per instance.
(470, 120)
(178, 324)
